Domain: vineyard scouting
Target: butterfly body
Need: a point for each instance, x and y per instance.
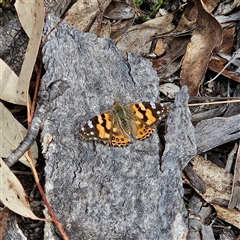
(115, 127)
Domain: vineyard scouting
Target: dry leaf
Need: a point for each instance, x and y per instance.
(122, 16)
(120, 27)
(12, 193)
(227, 43)
(119, 11)
(211, 5)
(189, 16)
(83, 14)
(168, 73)
(83, 21)
(225, 7)
(12, 133)
(160, 47)
(92, 12)
(9, 85)
(206, 36)
(177, 47)
(169, 89)
(137, 38)
(31, 16)
(188, 19)
(105, 30)
(217, 65)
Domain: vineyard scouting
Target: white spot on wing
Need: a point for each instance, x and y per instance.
(82, 129)
(153, 105)
(90, 124)
(91, 133)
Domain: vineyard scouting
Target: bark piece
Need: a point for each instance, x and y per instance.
(180, 148)
(13, 42)
(211, 133)
(98, 191)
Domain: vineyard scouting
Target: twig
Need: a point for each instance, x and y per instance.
(231, 60)
(53, 91)
(39, 72)
(54, 218)
(213, 103)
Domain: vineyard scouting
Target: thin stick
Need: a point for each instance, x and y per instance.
(54, 218)
(30, 159)
(213, 103)
(39, 72)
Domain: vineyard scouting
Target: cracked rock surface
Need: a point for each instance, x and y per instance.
(98, 191)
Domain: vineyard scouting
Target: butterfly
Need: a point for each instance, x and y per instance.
(115, 127)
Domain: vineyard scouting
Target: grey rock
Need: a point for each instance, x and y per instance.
(98, 191)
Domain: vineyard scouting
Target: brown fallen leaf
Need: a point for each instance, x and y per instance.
(211, 5)
(227, 43)
(104, 30)
(122, 16)
(217, 65)
(83, 14)
(88, 14)
(138, 38)
(160, 47)
(177, 47)
(188, 19)
(120, 27)
(206, 36)
(119, 11)
(224, 51)
(225, 7)
(168, 72)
